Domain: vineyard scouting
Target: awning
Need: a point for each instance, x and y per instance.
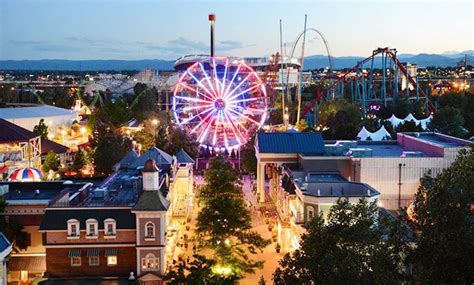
(93, 252)
(74, 252)
(27, 263)
(110, 252)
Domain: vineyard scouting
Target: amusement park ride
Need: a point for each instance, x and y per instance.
(365, 88)
(220, 101)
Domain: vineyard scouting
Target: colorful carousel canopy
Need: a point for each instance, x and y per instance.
(26, 174)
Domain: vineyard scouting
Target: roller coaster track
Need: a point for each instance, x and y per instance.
(322, 91)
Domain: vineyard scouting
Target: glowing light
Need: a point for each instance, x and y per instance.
(219, 102)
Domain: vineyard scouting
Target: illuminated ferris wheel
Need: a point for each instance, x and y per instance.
(221, 102)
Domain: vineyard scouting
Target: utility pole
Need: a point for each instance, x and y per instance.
(300, 87)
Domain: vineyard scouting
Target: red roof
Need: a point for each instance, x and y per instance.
(11, 133)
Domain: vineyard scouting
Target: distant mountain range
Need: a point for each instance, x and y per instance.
(422, 60)
(311, 62)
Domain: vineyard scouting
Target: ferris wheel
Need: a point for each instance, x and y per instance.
(220, 101)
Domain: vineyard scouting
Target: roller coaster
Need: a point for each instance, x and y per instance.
(363, 84)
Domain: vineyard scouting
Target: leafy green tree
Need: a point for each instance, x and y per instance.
(51, 162)
(408, 126)
(197, 272)
(443, 217)
(144, 138)
(79, 161)
(354, 246)
(248, 158)
(345, 123)
(114, 113)
(301, 125)
(179, 138)
(12, 231)
(224, 224)
(41, 129)
(449, 121)
(109, 149)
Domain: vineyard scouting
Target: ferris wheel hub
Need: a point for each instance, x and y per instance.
(219, 104)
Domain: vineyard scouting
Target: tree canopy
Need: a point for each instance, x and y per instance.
(444, 252)
(41, 129)
(354, 246)
(224, 222)
(449, 121)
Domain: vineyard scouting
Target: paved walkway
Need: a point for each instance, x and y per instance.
(269, 254)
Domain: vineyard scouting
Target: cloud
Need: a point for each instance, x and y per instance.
(230, 45)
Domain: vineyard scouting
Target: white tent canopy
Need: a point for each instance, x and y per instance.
(397, 121)
(379, 135)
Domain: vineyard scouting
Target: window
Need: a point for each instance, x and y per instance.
(93, 261)
(73, 228)
(110, 227)
(76, 261)
(150, 230)
(111, 260)
(310, 212)
(91, 228)
(150, 262)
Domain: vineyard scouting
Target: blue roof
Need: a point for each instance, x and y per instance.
(183, 157)
(159, 156)
(310, 143)
(4, 243)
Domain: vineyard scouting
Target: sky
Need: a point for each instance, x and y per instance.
(139, 29)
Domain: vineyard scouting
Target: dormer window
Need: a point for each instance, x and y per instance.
(73, 228)
(92, 228)
(149, 231)
(110, 227)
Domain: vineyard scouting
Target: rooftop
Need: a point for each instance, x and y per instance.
(34, 112)
(37, 192)
(440, 139)
(310, 143)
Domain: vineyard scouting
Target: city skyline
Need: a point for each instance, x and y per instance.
(81, 30)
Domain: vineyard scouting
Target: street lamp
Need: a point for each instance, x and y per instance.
(83, 131)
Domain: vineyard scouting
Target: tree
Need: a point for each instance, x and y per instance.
(248, 158)
(12, 231)
(179, 138)
(41, 129)
(224, 223)
(354, 246)
(197, 272)
(408, 126)
(301, 125)
(261, 281)
(144, 138)
(113, 113)
(79, 160)
(345, 123)
(51, 162)
(444, 251)
(449, 121)
(109, 149)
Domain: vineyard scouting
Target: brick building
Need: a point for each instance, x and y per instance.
(119, 230)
